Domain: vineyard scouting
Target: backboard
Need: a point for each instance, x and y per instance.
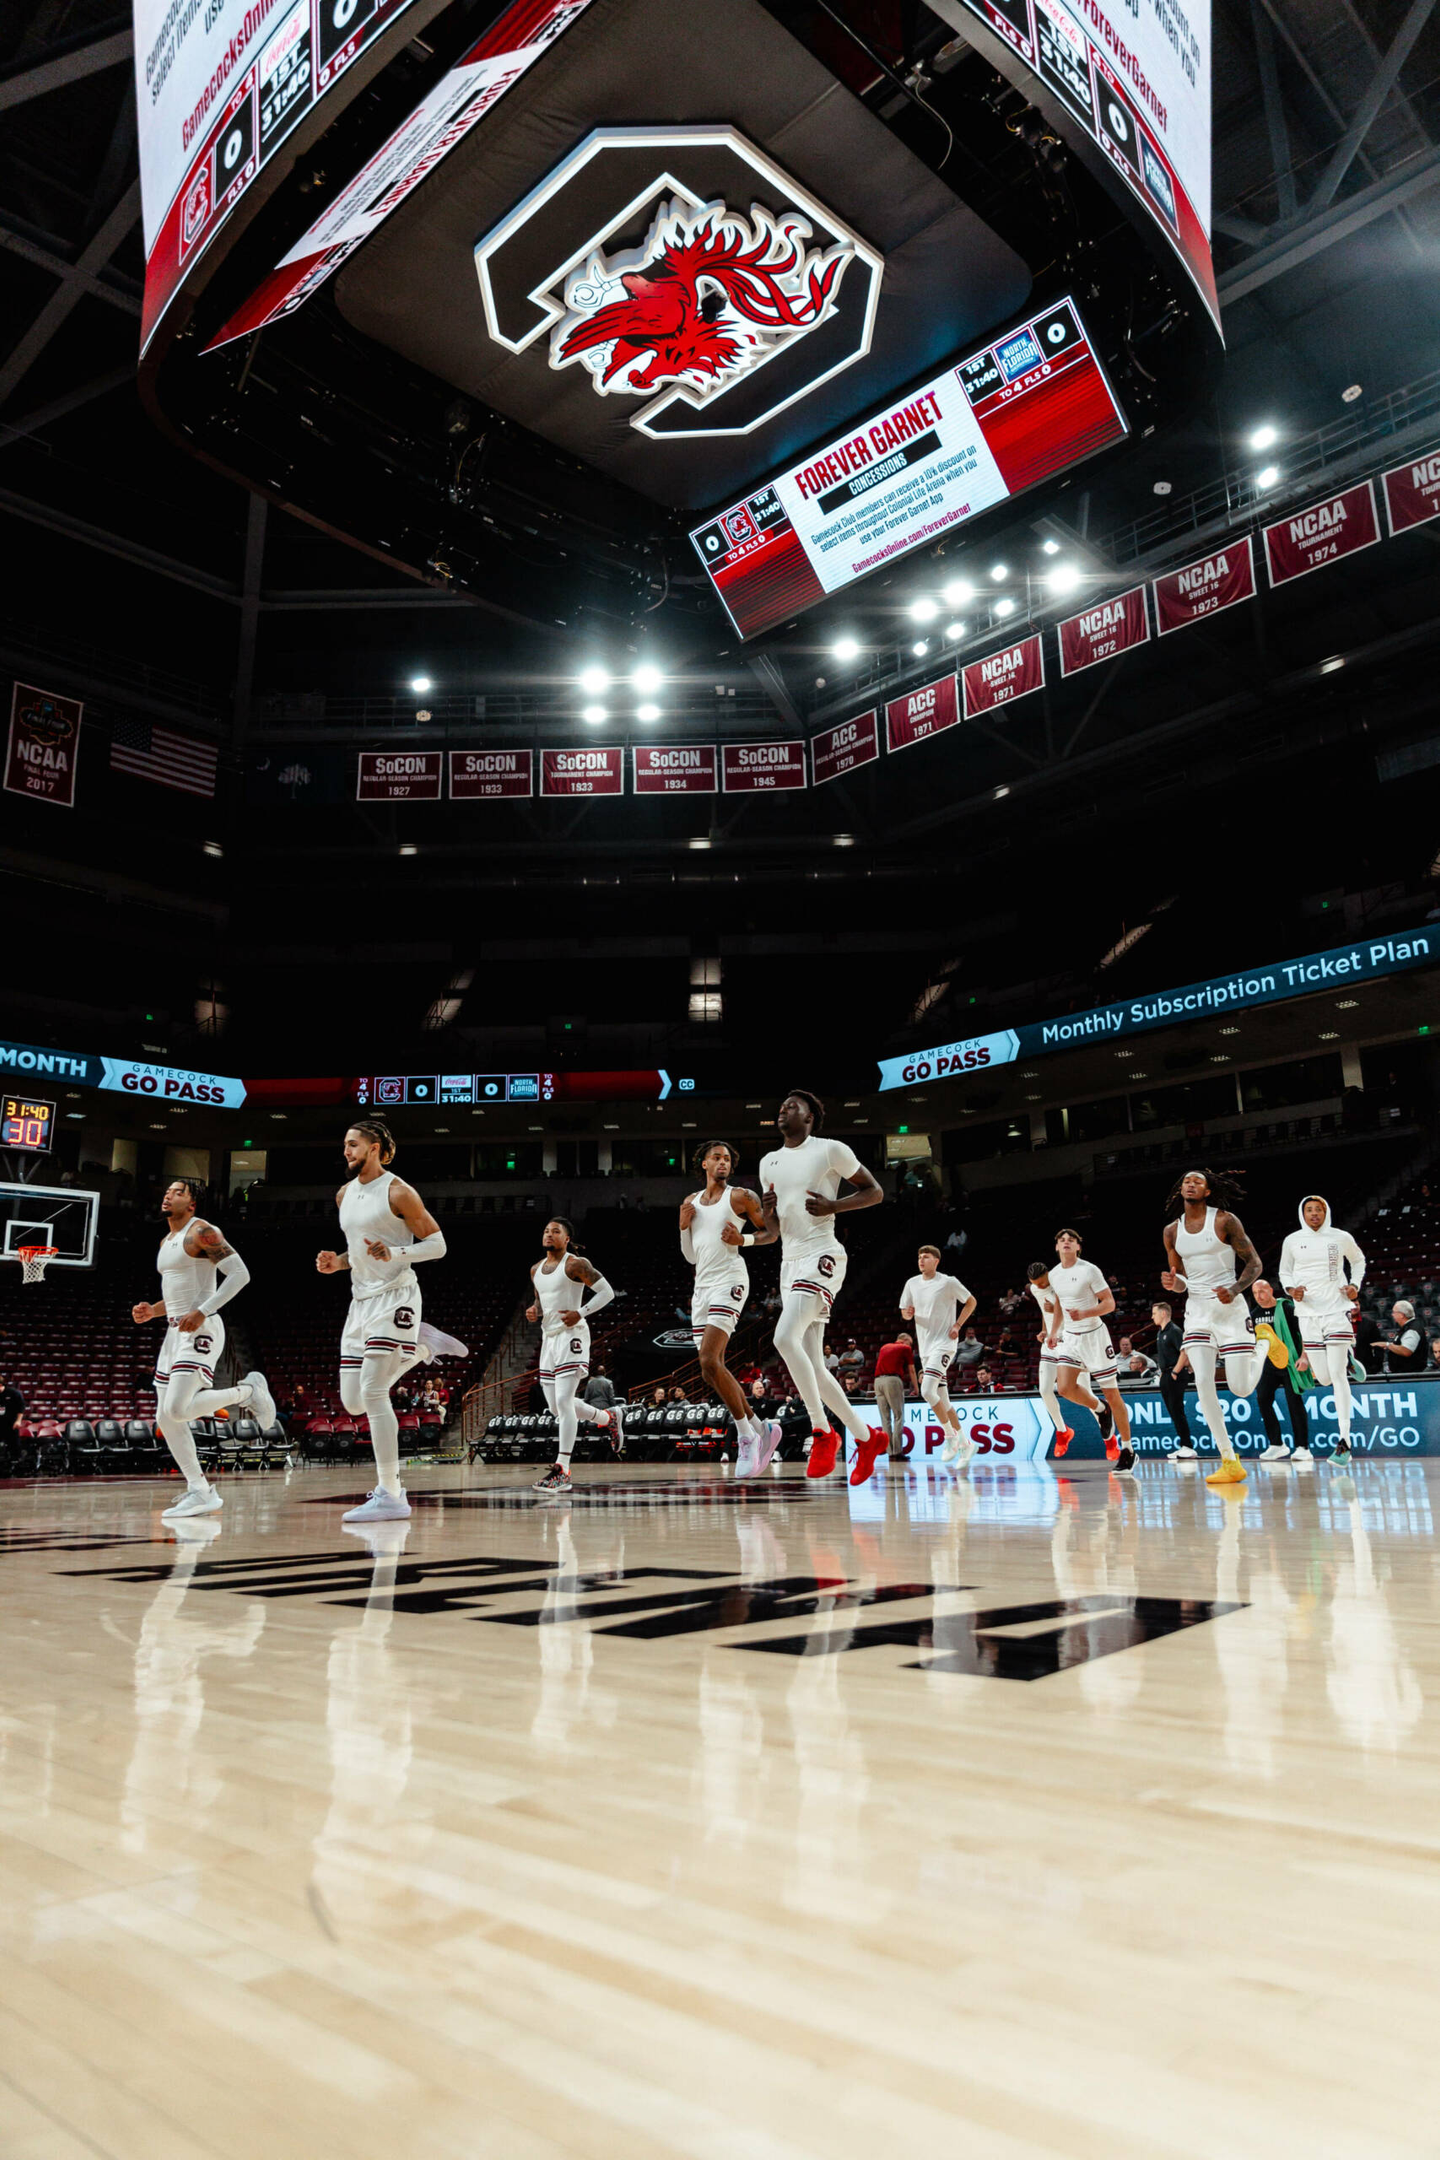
(61, 1215)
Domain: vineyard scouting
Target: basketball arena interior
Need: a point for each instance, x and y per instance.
(494, 492)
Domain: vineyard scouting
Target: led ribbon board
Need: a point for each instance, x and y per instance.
(1007, 417)
(1268, 984)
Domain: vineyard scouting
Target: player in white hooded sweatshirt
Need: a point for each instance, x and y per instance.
(1313, 1261)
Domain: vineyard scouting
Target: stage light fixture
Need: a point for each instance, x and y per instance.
(922, 610)
(700, 841)
(846, 648)
(647, 712)
(1262, 438)
(407, 850)
(920, 647)
(999, 571)
(593, 680)
(958, 593)
(421, 683)
(954, 630)
(594, 715)
(1049, 547)
(1004, 607)
(646, 680)
(1349, 395)
(1063, 578)
(844, 839)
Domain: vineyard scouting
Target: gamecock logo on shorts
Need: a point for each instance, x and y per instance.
(404, 1316)
(737, 1291)
(576, 1346)
(202, 1342)
(679, 294)
(826, 1264)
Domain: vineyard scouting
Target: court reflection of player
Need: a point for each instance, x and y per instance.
(733, 1768)
(368, 1721)
(832, 1784)
(1373, 1692)
(567, 1646)
(168, 1777)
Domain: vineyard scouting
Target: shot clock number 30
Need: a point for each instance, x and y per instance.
(26, 1124)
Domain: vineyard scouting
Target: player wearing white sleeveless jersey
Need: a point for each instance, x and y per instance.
(1209, 1258)
(1086, 1301)
(388, 1232)
(801, 1182)
(1052, 1325)
(939, 1305)
(190, 1255)
(711, 1238)
(1313, 1264)
(560, 1280)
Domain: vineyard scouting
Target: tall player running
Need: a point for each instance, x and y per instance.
(1205, 1241)
(939, 1305)
(1086, 1300)
(561, 1277)
(801, 1181)
(1052, 1320)
(191, 1253)
(1313, 1260)
(388, 1232)
(711, 1238)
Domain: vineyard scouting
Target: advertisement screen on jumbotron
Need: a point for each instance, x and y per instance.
(1020, 410)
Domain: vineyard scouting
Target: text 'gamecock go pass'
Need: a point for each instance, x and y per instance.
(1021, 410)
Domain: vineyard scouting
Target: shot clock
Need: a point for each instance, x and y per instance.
(26, 1124)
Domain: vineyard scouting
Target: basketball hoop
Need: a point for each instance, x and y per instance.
(34, 1259)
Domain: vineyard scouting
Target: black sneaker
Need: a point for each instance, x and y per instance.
(1107, 1420)
(1125, 1460)
(1341, 1454)
(556, 1479)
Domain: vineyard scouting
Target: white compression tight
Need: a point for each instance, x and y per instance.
(568, 1406)
(1330, 1363)
(1242, 1377)
(182, 1399)
(800, 1340)
(934, 1388)
(366, 1393)
(1048, 1374)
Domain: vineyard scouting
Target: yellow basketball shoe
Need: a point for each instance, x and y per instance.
(1230, 1472)
(1274, 1349)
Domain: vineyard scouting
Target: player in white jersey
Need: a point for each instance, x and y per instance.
(711, 1238)
(1052, 1325)
(1313, 1261)
(1086, 1300)
(801, 1182)
(388, 1232)
(191, 1253)
(1209, 1257)
(939, 1305)
(561, 1277)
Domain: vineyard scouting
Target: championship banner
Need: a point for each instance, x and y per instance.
(838, 750)
(1100, 632)
(1012, 672)
(487, 775)
(1205, 587)
(1412, 493)
(756, 768)
(676, 769)
(1322, 534)
(398, 776)
(583, 772)
(44, 746)
(921, 713)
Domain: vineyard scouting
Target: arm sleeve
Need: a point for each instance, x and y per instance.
(687, 1246)
(233, 1277)
(1355, 1257)
(426, 1248)
(601, 1293)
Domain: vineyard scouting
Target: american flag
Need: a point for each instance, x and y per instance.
(157, 753)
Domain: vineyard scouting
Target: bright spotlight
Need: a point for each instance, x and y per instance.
(922, 611)
(1263, 437)
(420, 684)
(647, 712)
(646, 680)
(1267, 476)
(1063, 578)
(594, 715)
(846, 648)
(1004, 607)
(593, 680)
(920, 647)
(999, 571)
(1049, 547)
(954, 630)
(958, 593)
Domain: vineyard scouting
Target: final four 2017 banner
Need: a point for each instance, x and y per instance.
(1268, 984)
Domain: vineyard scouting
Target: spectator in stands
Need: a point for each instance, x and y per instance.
(1405, 1349)
(1133, 1368)
(599, 1390)
(832, 1360)
(678, 1394)
(894, 1374)
(851, 1383)
(1435, 1351)
(969, 1351)
(1367, 1343)
(984, 1380)
(659, 1399)
(1006, 1344)
(852, 1359)
(1172, 1364)
(1011, 1303)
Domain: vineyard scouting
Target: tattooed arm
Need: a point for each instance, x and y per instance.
(1231, 1231)
(204, 1242)
(579, 1270)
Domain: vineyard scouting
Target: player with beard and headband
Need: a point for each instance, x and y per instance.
(1209, 1258)
(561, 1277)
(388, 1232)
(801, 1182)
(711, 1238)
(191, 1253)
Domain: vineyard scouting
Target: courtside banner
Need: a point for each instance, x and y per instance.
(1267, 984)
(583, 772)
(755, 768)
(398, 776)
(1100, 632)
(1206, 587)
(1322, 533)
(44, 746)
(491, 775)
(1001, 677)
(922, 713)
(1412, 493)
(676, 769)
(838, 750)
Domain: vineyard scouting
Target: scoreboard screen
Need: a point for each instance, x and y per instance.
(26, 1124)
(1007, 417)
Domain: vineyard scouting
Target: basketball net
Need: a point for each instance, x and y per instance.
(33, 1259)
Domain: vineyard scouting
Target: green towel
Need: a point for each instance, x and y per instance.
(1277, 1319)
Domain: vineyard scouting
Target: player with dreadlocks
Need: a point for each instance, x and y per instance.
(388, 1232)
(1205, 1245)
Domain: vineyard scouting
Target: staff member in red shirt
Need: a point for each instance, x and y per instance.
(894, 1373)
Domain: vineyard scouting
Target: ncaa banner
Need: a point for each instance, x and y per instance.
(1412, 493)
(1207, 587)
(398, 776)
(44, 746)
(838, 750)
(756, 768)
(676, 769)
(1001, 677)
(1322, 534)
(491, 775)
(1100, 632)
(922, 713)
(583, 772)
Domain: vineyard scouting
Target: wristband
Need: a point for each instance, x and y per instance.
(747, 1237)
